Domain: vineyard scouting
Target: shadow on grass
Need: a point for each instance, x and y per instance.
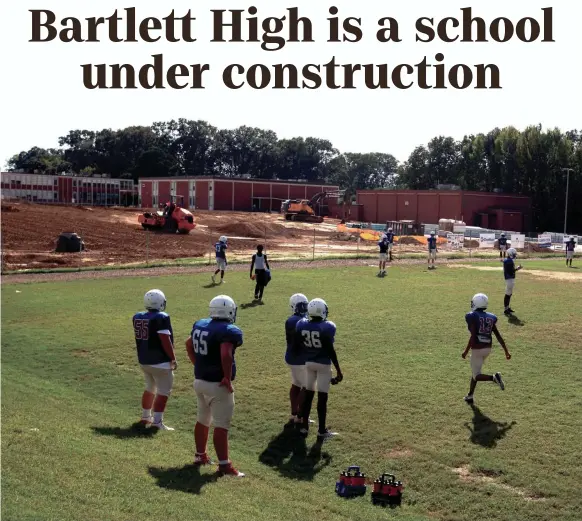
(137, 430)
(211, 285)
(185, 479)
(515, 321)
(252, 304)
(485, 431)
(288, 453)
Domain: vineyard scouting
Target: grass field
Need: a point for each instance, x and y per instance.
(71, 389)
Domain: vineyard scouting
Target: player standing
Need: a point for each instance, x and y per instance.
(509, 271)
(260, 263)
(220, 248)
(432, 249)
(482, 325)
(315, 338)
(389, 237)
(295, 359)
(570, 247)
(383, 245)
(154, 341)
(211, 349)
(502, 246)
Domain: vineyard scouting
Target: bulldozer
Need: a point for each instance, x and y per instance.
(171, 219)
(303, 210)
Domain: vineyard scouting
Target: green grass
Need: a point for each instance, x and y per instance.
(71, 389)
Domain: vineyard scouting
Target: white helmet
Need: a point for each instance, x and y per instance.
(223, 239)
(223, 307)
(298, 303)
(503, 234)
(479, 301)
(433, 233)
(512, 253)
(154, 300)
(389, 229)
(317, 308)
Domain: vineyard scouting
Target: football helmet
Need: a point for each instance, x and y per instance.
(503, 235)
(223, 239)
(298, 303)
(389, 229)
(223, 308)
(154, 300)
(479, 301)
(317, 308)
(512, 253)
(433, 233)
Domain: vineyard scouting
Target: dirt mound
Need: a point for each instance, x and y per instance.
(343, 237)
(471, 244)
(538, 249)
(256, 230)
(409, 240)
(10, 208)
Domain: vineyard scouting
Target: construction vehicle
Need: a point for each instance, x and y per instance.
(171, 219)
(304, 210)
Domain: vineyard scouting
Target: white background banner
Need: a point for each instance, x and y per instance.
(486, 240)
(518, 241)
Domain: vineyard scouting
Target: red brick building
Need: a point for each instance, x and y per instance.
(218, 193)
(485, 209)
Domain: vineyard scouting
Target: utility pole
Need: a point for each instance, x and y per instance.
(567, 170)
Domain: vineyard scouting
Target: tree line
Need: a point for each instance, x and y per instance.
(528, 162)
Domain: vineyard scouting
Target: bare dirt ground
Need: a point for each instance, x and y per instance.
(555, 275)
(113, 237)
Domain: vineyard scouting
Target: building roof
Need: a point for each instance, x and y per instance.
(299, 182)
(443, 192)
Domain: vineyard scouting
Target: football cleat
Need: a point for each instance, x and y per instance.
(499, 381)
(161, 427)
(326, 435)
(229, 470)
(202, 459)
(469, 399)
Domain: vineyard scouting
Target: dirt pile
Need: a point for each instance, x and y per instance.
(409, 241)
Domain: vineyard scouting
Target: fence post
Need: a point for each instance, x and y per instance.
(210, 250)
(358, 247)
(147, 247)
(313, 243)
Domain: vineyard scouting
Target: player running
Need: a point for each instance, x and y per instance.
(481, 325)
(383, 245)
(432, 249)
(211, 349)
(295, 359)
(502, 246)
(315, 338)
(220, 248)
(570, 247)
(260, 263)
(509, 271)
(154, 341)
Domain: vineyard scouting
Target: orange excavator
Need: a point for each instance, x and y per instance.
(304, 210)
(173, 218)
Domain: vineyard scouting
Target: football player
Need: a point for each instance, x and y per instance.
(294, 358)
(383, 245)
(432, 249)
(260, 264)
(220, 249)
(509, 271)
(570, 247)
(502, 246)
(314, 339)
(211, 348)
(389, 237)
(154, 341)
(482, 325)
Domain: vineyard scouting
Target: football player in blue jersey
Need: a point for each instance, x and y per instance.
(432, 249)
(389, 238)
(220, 250)
(294, 358)
(154, 341)
(383, 245)
(211, 348)
(482, 325)
(509, 271)
(315, 337)
(502, 246)
(570, 249)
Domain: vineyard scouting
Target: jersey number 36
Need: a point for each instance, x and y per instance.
(311, 339)
(199, 341)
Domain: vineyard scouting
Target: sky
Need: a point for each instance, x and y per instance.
(43, 96)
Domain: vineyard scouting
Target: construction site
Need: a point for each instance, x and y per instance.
(114, 237)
